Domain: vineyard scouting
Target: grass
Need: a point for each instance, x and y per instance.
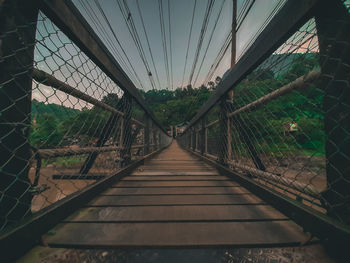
(65, 161)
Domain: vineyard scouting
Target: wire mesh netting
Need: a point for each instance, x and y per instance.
(65, 123)
(286, 125)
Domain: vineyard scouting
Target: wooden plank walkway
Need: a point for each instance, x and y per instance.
(175, 200)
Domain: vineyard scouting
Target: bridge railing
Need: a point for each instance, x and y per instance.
(279, 121)
(70, 116)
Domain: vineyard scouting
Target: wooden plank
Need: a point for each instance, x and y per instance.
(176, 178)
(136, 172)
(176, 161)
(178, 168)
(144, 200)
(175, 183)
(176, 213)
(96, 235)
(175, 190)
(172, 160)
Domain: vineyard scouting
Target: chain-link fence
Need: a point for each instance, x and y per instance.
(64, 123)
(286, 125)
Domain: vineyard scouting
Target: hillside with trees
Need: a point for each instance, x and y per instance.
(55, 124)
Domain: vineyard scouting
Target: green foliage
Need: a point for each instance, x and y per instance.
(174, 107)
(60, 112)
(62, 126)
(65, 161)
(47, 131)
(87, 122)
(111, 99)
(55, 124)
(268, 124)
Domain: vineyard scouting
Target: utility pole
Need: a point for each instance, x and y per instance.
(234, 25)
(225, 153)
(233, 42)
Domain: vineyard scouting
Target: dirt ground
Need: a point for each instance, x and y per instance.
(58, 189)
(309, 253)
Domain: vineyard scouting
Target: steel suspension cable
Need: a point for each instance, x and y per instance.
(149, 46)
(90, 12)
(170, 46)
(201, 37)
(188, 43)
(134, 34)
(165, 49)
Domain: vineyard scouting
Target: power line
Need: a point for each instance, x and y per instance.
(115, 37)
(203, 58)
(226, 44)
(149, 46)
(267, 20)
(134, 34)
(162, 29)
(201, 37)
(99, 26)
(189, 40)
(244, 10)
(209, 42)
(170, 46)
(240, 22)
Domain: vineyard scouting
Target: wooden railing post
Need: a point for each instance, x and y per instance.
(206, 139)
(333, 31)
(225, 132)
(17, 41)
(121, 136)
(203, 137)
(188, 139)
(193, 132)
(155, 139)
(229, 138)
(159, 139)
(146, 135)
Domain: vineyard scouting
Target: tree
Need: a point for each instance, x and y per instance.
(111, 99)
(47, 132)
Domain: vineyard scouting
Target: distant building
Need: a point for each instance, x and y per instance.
(180, 128)
(290, 127)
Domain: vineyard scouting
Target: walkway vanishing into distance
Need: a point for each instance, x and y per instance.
(176, 208)
(175, 199)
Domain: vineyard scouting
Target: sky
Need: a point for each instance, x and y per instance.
(57, 55)
(180, 23)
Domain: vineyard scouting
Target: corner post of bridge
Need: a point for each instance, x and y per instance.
(18, 20)
(333, 30)
(225, 150)
(190, 141)
(159, 139)
(155, 137)
(203, 136)
(193, 138)
(146, 134)
(121, 137)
